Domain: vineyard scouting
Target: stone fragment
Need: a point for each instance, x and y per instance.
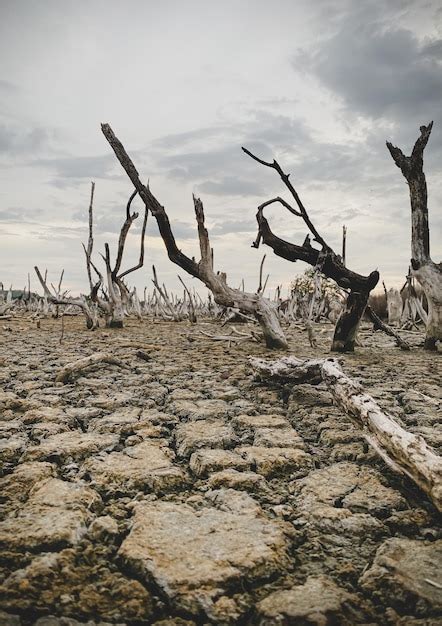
(145, 466)
(203, 434)
(274, 461)
(407, 573)
(318, 601)
(194, 555)
(206, 461)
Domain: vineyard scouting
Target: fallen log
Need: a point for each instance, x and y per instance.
(401, 450)
(81, 364)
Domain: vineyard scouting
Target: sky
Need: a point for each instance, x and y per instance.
(320, 86)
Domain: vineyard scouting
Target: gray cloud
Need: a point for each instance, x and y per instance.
(7, 87)
(80, 167)
(233, 226)
(18, 214)
(378, 70)
(17, 141)
(231, 186)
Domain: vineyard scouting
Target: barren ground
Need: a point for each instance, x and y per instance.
(179, 491)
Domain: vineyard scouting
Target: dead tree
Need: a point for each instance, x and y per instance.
(428, 273)
(325, 259)
(263, 310)
(115, 300)
(81, 302)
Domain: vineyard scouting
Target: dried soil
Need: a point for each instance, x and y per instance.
(180, 491)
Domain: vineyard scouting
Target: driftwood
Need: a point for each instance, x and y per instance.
(325, 260)
(263, 310)
(428, 273)
(401, 450)
(81, 364)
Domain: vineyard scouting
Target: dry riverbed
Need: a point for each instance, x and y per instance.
(178, 491)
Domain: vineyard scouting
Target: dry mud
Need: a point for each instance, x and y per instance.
(179, 491)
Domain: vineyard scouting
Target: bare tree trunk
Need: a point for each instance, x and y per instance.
(254, 304)
(428, 273)
(347, 325)
(403, 451)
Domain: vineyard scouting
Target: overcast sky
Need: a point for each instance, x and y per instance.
(319, 85)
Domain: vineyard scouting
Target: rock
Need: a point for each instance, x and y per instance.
(203, 434)
(319, 601)
(273, 461)
(56, 513)
(407, 573)
(206, 461)
(277, 438)
(69, 445)
(233, 479)
(194, 555)
(146, 466)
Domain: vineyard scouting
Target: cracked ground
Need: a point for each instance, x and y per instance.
(179, 491)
